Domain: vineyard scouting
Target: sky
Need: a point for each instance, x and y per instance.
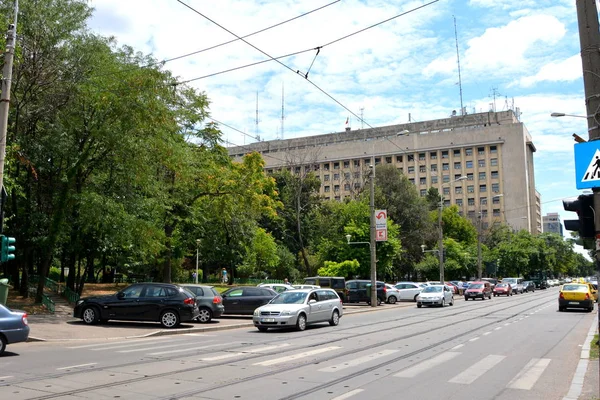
(388, 61)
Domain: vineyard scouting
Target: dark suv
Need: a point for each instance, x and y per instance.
(166, 303)
(359, 291)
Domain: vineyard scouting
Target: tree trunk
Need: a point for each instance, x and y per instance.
(168, 252)
(300, 239)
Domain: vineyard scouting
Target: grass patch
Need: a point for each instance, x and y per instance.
(594, 348)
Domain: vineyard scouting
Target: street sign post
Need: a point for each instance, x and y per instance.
(381, 225)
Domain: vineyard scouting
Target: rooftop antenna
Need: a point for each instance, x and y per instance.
(494, 94)
(362, 121)
(256, 121)
(282, 111)
(462, 110)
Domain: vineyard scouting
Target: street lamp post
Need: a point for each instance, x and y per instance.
(197, 255)
(441, 231)
(479, 268)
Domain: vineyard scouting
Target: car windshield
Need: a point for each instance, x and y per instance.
(575, 288)
(476, 286)
(290, 298)
(432, 289)
(502, 285)
(509, 280)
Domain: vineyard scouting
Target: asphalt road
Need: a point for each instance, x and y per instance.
(505, 348)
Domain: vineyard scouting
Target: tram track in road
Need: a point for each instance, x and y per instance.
(533, 304)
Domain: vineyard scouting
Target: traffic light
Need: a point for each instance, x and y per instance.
(7, 248)
(584, 207)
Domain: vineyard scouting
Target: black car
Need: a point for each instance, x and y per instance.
(246, 299)
(359, 291)
(166, 303)
(336, 283)
(528, 286)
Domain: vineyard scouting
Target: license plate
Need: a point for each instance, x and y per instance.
(267, 320)
(573, 302)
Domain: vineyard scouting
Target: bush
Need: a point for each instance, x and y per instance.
(54, 274)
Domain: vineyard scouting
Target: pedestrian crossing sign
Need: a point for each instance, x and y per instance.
(587, 165)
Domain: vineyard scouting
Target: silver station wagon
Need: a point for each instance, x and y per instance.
(298, 308)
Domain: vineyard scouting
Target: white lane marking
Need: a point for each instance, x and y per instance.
(155, 347)
(77, 366)
(498, 328)
(104, 344)
(296, 356)
(6, 377)
(427, 364)
(469, 375)
(507, 324)
(529, 375)
(486, 333)
(121, 346)
(236, 354)
(358, 361)
(347, 395)
(457, 347)
(474, 339)
(187, 349)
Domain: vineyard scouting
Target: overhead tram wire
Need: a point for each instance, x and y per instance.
(274, 59)
(166, 60)
(317, 48)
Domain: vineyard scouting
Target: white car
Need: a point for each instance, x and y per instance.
(433, 295)
(307, 287)
(392, 295)
(278, 287)
(408, 291)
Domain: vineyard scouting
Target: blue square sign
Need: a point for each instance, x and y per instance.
(587, 165)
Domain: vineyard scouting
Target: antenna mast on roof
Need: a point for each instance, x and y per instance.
(362, 120)
(462, 110)
(282, 111)
(256, 121)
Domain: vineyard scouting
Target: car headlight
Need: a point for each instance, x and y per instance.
(286, 312)
(257, 312)
(80, 301)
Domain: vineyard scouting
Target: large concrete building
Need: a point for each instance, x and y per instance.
(492, 150)
(551, 223)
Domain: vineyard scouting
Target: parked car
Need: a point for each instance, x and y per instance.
(14, 327)
(502, 289)
(515, 283)
(307, 287)
(528, 286)
(278, 287)
(299, 308)
(166, 303)
(392, 295)
(575, 295)
(408, 290)
(336, 283)
(210, 302)
(479, 290)
(246, 299)
(435, 295)
(359, 291)
(492, 281)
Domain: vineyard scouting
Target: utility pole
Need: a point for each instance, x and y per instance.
(479, 269)
(11, 40)
(441, 240)
(589, 39)
(372, 242)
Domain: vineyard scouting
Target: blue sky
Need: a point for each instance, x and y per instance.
(524, 52)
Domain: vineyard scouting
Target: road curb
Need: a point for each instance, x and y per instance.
(579, 377)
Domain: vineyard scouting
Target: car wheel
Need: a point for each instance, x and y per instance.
(2, 344)
(415, 298)
(90, 315)
(169, 319)
(443, 303)
(335, 318)
(205, 315)
(452, 301)
(378, 301)
(419, 305)
(301, 323)
(466, 298)
(262, 328)
(561, 308)
(392, 300)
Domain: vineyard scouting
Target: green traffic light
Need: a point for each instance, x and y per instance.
(6, 252)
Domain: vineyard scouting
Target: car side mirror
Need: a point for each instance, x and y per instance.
(311, 301)
(223, 295)
(120, 295)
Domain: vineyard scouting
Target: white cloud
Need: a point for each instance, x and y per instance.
(564, 70)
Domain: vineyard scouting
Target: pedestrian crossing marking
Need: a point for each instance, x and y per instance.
(358, 361)
(251, 351)
(188, 349)
(529, 375)
(348, 394)
(427, 365)
(592, 173)
(296, 356)
(476, 370)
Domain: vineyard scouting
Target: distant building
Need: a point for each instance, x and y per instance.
(493, 150)
(551, 222)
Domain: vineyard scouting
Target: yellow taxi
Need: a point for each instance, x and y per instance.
(593, 291)
(576, 295)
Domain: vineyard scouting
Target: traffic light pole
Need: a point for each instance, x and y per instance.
(589, 39)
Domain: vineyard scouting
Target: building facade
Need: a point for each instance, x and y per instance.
(551, 223)
(481, 162)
